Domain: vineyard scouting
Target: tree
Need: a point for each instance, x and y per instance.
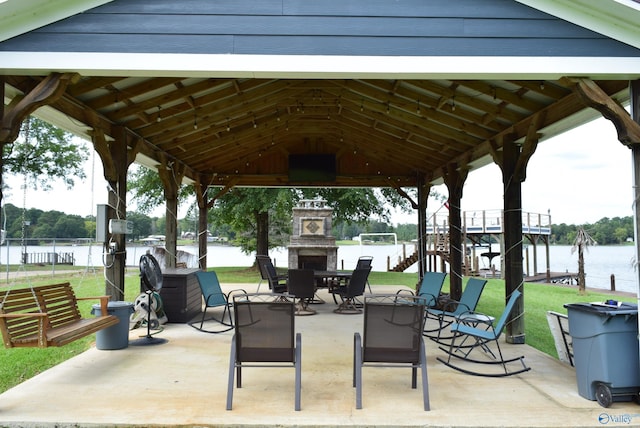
(621, 234)
(407, 232)
(70, 226)
(261, 217)
(358, 205)
(582, 241)
(43, 152)
(146, 189)
(141, 225)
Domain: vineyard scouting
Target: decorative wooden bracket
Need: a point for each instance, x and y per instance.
(594, 97)
(109, 151)
(454, 178)
(50, 89)
(102, 147)
(529, 147)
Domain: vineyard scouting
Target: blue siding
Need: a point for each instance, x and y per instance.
(327, 27)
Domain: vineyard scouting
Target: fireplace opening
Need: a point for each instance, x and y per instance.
(312, 262)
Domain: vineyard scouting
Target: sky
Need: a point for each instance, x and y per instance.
(579, 177)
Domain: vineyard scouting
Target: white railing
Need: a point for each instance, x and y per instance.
(489, 221)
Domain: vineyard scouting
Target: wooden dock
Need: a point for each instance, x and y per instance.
(568, 278)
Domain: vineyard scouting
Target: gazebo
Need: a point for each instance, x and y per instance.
(399, 94)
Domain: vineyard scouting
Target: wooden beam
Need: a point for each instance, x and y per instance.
(593, 96)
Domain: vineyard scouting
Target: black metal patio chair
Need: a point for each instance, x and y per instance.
(392, 337)
(301, 284)
(277, 283)
(264, 337)
(363, 263)
(349, 293)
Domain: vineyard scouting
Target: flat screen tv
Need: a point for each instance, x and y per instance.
(310, 168)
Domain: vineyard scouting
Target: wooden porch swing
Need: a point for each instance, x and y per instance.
(48, 315)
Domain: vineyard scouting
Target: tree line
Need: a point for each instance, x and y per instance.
(38, 224)
(35, 224)
(606, 231)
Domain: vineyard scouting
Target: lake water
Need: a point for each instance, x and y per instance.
(600, 261)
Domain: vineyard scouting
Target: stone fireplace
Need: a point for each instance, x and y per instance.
(312, 246)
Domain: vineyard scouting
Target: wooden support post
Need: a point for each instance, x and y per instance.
(513, 273)
(116, 157)
(454, 179)
(203, 208)
(423, 194)
(201, 194)
(634, 90)
(513, 161)
(171, 175)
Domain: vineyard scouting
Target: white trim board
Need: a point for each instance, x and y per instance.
(307, 66)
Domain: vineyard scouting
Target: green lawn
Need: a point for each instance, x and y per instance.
(17, 365)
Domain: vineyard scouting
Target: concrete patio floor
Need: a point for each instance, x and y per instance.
(183, 382)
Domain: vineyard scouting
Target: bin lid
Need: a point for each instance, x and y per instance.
(604, 309)
(115, 305)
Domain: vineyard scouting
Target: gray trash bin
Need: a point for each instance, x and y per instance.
(116, 336)
(605, 350)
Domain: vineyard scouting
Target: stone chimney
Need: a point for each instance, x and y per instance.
(312, 246)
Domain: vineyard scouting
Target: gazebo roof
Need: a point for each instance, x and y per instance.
(230, 91)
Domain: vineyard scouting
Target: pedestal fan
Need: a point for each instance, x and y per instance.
(151, 282)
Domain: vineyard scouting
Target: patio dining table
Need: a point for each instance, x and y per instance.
(331, 278)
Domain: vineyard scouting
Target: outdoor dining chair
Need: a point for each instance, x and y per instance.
(363, 263)
(264, 337)
(301, 285)
(446, 316)
(482, 336)
(214, 297)
(277, 283)
(392, 337)
(349, 293)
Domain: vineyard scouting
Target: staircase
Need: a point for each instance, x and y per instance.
(404, 264)
(439, 246)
